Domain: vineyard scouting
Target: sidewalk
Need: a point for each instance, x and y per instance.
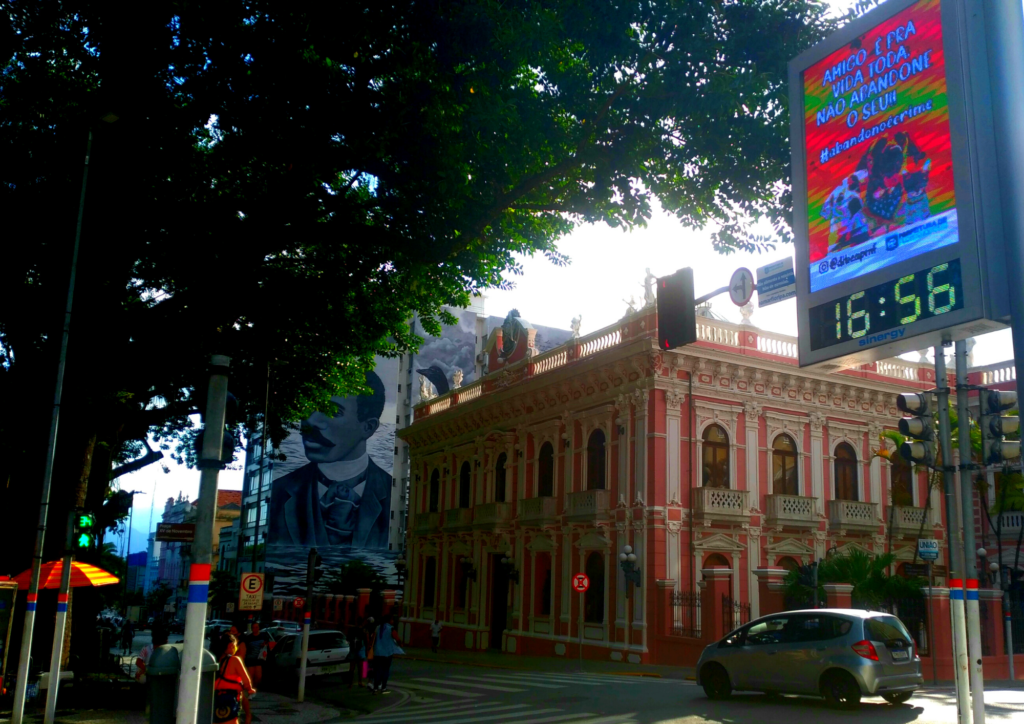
(498, 660)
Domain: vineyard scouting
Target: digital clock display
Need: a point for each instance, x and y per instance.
(863, 315)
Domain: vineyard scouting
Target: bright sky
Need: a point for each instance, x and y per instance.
(608, 266)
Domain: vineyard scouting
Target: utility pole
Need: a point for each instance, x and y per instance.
(57, 651)
(25, 654)
(210, 463)
(954, 547)
(970, 558)
(259, 481)
(307, 615)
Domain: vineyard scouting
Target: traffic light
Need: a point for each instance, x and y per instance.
(85, 530)
(995, 449)
(921, 449)
(677, 315)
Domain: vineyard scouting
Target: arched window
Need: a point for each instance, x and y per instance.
(846, 472)
(716, 560)
(465, 489)
(593, 601)
(785, 479)
(546, 471)
(595, 461)
(715, 450)
(902, 482)
(429, 582)
(435, 490)
(499, 478)
(788, 563)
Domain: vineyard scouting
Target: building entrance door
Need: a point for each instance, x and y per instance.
(499, 600)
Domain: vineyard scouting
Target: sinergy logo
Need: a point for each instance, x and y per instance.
(883, 337)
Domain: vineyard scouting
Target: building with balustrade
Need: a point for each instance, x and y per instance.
(722, 458)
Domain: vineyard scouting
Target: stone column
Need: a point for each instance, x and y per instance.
(622, 423)
(621, 622)
(771, 590)
(673, 415)
(875, 470)
(817, 457)
(673, 557)
(993, 628)
(640, 400)
(364, 600)
(941, 645)
(751, 416)
(838, 595)
(566, 575)
(753, 561)
(637, 594)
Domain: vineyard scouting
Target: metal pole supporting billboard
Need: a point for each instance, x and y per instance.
(202, 550)
(25, 654)
(970, 558)
(307, 616)
(954, 547)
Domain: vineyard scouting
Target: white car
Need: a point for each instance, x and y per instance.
(327, 653)
(287, 625)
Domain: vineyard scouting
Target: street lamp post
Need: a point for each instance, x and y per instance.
(510, 567)
(401, 568)
(627, 561)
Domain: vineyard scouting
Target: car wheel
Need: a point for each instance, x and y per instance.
(716, 682)
(899, 698)
(841, 690)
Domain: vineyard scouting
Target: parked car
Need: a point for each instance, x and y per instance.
(286, 625)
(840, 654)
(217, 626)
(327, 653)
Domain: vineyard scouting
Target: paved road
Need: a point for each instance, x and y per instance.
(451, 694)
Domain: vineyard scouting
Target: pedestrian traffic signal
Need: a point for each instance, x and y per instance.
(994, 426)
(677, 315)
(920, 449)
(85, 530)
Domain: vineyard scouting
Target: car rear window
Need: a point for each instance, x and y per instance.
(886, 628)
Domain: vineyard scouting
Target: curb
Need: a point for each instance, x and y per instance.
(404, 698)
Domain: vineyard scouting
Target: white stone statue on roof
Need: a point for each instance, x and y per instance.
(457, 378)
(630, 306)
(575, 326)
(650, 295)
(426, 393)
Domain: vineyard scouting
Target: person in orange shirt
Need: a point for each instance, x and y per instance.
(232, 679)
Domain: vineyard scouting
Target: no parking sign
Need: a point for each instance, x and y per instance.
(250, 597)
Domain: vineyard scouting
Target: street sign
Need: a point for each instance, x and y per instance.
(927, 549)
(580, 582)
(299, 602)
(776, 282)
(278, 604)
(915, 570)
(250, 597)
(230, 607)
(176, 532)
(741, 286)
(888, 197)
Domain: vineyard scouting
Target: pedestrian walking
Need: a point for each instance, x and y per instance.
(231, 680)
(357, 654)
(385, 645)
(127, 638)
(159, 637)
(435, 634)
(258, 645)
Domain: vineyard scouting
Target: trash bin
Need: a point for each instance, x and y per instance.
(162, 678)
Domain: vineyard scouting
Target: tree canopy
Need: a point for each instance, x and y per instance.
(288, 182)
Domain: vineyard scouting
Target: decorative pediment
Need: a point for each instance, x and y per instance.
(790, 547)
(541, 544)
(854, 546)
(428, 548)
(719, 542)
(590, 541)
(459, 547)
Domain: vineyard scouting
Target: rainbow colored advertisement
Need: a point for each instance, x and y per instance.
(879, 161)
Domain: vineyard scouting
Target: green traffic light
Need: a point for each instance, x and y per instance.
(86, 521)
(84, 540)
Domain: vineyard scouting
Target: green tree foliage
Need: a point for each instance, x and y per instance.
(287, 182)
(869, 576)
(157, 598)
(224, 589)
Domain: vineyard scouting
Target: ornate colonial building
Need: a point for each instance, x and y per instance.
(719, 455)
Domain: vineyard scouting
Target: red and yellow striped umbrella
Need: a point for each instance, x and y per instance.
(82, 575)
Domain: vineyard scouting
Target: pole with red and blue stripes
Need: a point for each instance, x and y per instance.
(210, 464)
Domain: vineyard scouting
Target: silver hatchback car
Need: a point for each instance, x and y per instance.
(841, 654)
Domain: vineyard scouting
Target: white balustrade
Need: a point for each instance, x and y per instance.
(588, 503)
(994, 374)
(709, 331)
(427, 522)
(792, 510)
(852, 515)
(777, 344)
(471, 391)
(907, 520)
(442, 403)
(538, 509)
(722, 503)
(601, 340)
(489, 515)
(897, 368)
(550, 360)
(458, 517)
(1010, 524)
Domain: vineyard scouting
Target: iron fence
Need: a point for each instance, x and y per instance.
(1017, 620)
(913, 612)
(734, 614)
(686, 614)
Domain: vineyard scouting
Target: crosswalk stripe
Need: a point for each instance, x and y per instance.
(615, 719)
(442, 716)
(567, 680)
(449, 706)
(436, 690)
(512, 680)
(503, 716)
(568, 718)
(508, 689)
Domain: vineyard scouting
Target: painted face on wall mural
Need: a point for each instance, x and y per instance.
(338, 434)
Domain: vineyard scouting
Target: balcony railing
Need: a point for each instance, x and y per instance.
(852, 515)
(907, 520)
(427, 522)
(588, 504)
(796, 511)
(1010, 524)
(722, 503)
(490, 515)
(456, 518)
(538, 510)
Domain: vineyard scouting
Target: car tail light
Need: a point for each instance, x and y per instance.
(866, 649)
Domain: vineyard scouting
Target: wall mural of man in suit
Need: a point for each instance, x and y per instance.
(340, 497)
